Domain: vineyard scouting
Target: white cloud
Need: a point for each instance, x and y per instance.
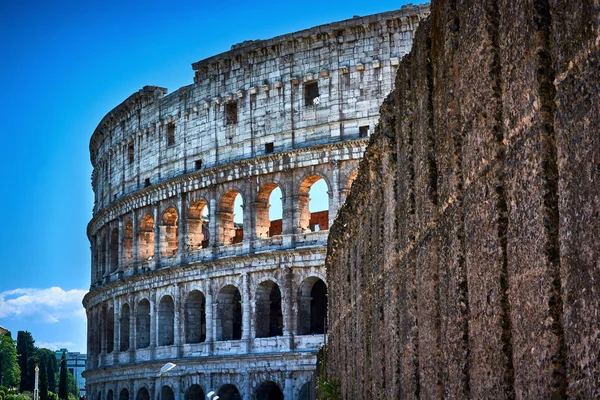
(42, 305)
(54, 345)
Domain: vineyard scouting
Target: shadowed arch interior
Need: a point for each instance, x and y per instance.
(114, 249)
(166, 393)
(124, 327)
(194, 392)
(124, 395)
(268, 317)
(229, 392)
(169, 233)
(268, 390)
(146, 245)
(198, 235)
(142, 394)
(268, 201)
(166, 321)
(229, 314)
(230, 230)
(312, 307)
(110, 330)
(128, 243)
(195, 317)
(142, 324)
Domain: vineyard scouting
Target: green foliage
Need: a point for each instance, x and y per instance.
(10, 373)
(62, 381)
(25, 350)
(47, 357)
(72, 397)
(52, 396)
(22, 396)
(43, 382)
(329, 390)
(72, 386)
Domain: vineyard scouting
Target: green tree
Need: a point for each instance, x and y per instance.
(43, 383)
(62, 382)
(10, 373)
(25, 350)
(48, 358)
(72, 386)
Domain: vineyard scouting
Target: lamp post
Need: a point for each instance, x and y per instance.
(165, 368)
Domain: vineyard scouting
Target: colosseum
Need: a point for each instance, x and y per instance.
(212, 209)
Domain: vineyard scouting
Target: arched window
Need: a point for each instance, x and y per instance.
(268, 391)
(142, 325)
(229, 392)
(114, 250)
(109, 395)
(169, 234)
(229, 314)
(269, 211)
(102, 258)
(313, 204)
(166, 393)
(124, 395)
(195, 318)
(312, 313)
(142, 394)
(195, 392)
(198, 235)
(269, 318)
(110, 331)
(166, 321)
(124, 328)
(146, 238)
(128, 244)
(308, 392)
(231, 218)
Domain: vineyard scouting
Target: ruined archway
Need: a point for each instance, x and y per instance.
(166, 321)
(198, 235)
(268, 391)
(268, 316)
(269, 211)
(313, 204)
(312, 307)
(146, 242)
(231, 218)
(229, 392)
(169, 233)
(142, 324)
(194, 392)
(229, 314)
(142, 394)
(124, 395)
(166, 393)
(195, 317)
(109, 395)
(124, 327)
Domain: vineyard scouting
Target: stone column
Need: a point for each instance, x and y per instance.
(213, 224)
(287, 297)
(246, 329)
(157, 238)
(334, 194)
(287, 204)
(135, 241)
(182, 228)
(177, 331)
(288, 388)
(209, 311)
(153, 319)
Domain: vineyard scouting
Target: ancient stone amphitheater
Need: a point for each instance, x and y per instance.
(189, 265)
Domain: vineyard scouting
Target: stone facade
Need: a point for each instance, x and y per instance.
(239, 306)
(467, 255)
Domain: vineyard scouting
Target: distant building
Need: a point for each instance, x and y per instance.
(4, 331)
(75, 365)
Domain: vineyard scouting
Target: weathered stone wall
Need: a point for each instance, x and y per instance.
(465, 263)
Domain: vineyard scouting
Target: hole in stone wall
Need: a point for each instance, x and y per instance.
(170, 134)
(311, 93)
(363, 131)
(229, 314)
(131, 153)
(198, 164)
(195, 317)
(269, 147)
(124, 324)
(142, 324)
(231, 113)
(166, 321)
(146, 182)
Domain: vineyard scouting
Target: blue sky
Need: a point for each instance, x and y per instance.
(64, 64)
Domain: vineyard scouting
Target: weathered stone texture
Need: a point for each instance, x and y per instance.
(466, 258)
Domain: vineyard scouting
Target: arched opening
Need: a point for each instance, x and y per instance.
(313, 204)
(114, 250)
(102, 257)
(169, 234)
(312, 307)
(229, 392)
(128, 243)
(198, 235)
(229, 314)
(146, 244)
(124, 327)
(268, 391)
(110, 331)
(351, 179)
(308, 392)
(269, 211)
(142, 325)
(166, 393)
(195, 317)
(109, 395)
(194, 392)
(166, 321)
(124, 395)
(231, 218)
(142, 394)
(269, 318)
(99, 396)
(97, 334)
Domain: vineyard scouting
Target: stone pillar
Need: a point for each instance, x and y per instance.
(153, 319)
(287, 204)
(209, 311)
(177, 309)
(182, 227)
(135, 241)
(288, 388)
(213, 224)
(287, 297)
(246, 329)
(334, 195)
(157, 237)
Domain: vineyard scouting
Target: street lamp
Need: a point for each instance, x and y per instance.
(165, 368)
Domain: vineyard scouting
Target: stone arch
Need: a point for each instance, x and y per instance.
(124, 394)
(198, 234)
(268, 390)
(229, 314)
(142, 324)
(114, 249)
(97, 336)
(195, 317)
(128, 243)
(268, 315)
(110, 395)
(265, 225)
(229, 392)
(102, 257)
(166, 393)
(124, 327)
(99, 395)
(350, 180)
(308, 391)
(312, 220)
(110, 331)
(146, 242)
(166, 321)
(142, 394)
(194, 392)
(169, 233)
(312, 307)
(230, 232)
